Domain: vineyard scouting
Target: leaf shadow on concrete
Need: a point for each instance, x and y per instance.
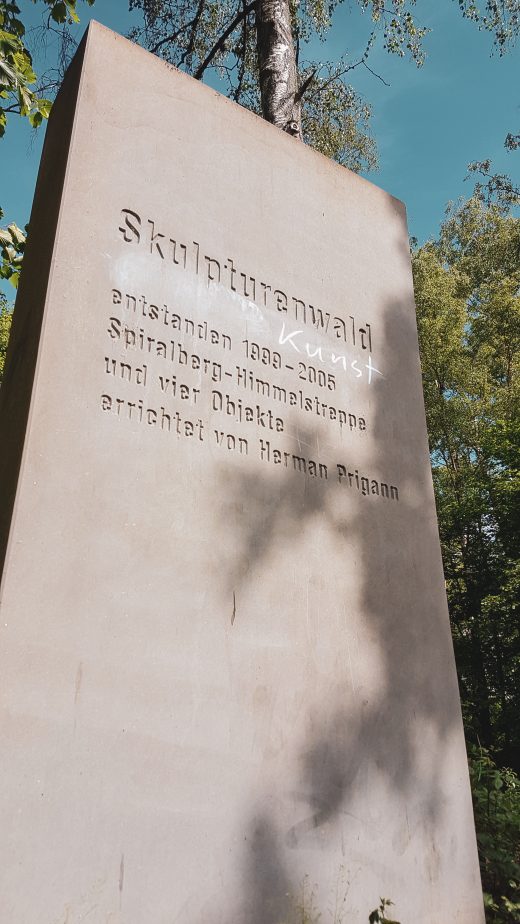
(413, 648)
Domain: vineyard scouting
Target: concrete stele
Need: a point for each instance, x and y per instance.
(229, 684)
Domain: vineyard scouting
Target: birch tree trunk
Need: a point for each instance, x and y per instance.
(281, 102)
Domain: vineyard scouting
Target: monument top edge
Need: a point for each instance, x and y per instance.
(96, 31)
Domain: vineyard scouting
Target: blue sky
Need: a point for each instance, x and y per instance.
(429, 123)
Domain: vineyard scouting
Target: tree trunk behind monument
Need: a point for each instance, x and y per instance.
(277, 66)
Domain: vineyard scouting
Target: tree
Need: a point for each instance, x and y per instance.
(467, 289)
(468, 303)
(5, 325)
(496, 801)
(17, 77)
(20, 94)
(12, 245)
(497, 188)
(256, 49)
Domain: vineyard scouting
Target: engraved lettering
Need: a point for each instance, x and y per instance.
(232, 273)
(340, 329)
(155, 240)
(212, 276)
(265, 289)
(130, 227)
(301, 464)
(364, 484)
(320, 319)
(281, 300)
(196, 248)
(231, 442)
(184, 251)
(115, 328)
(125, 371)
(300, 310)
(252, 292)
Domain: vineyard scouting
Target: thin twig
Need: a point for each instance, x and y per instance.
(172, 37)
(340, 74)
(382, 79)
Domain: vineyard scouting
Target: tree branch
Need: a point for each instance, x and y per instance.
(172, 37)
(238, 88)
(306, 84)
(219, 45)
(382, 79)
(341, 74)
(187, 25)
(194, 23)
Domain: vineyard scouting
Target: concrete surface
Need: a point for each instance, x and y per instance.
(229, 690)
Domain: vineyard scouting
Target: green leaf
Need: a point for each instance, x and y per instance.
(59, 12)
(44, 107)
(71, 7)
(16, 233)
(35, 118)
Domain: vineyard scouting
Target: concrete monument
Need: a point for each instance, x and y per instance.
(229, 691)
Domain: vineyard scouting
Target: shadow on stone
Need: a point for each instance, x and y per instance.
(380, 737)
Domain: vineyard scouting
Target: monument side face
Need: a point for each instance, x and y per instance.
(16, 391)
(229, 686)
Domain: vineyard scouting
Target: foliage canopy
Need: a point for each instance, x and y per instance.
(496, 802)
(468, 302)
(19, 94)
(197, 35)
(17, 77)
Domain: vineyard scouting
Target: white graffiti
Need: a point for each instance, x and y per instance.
(328, 357)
